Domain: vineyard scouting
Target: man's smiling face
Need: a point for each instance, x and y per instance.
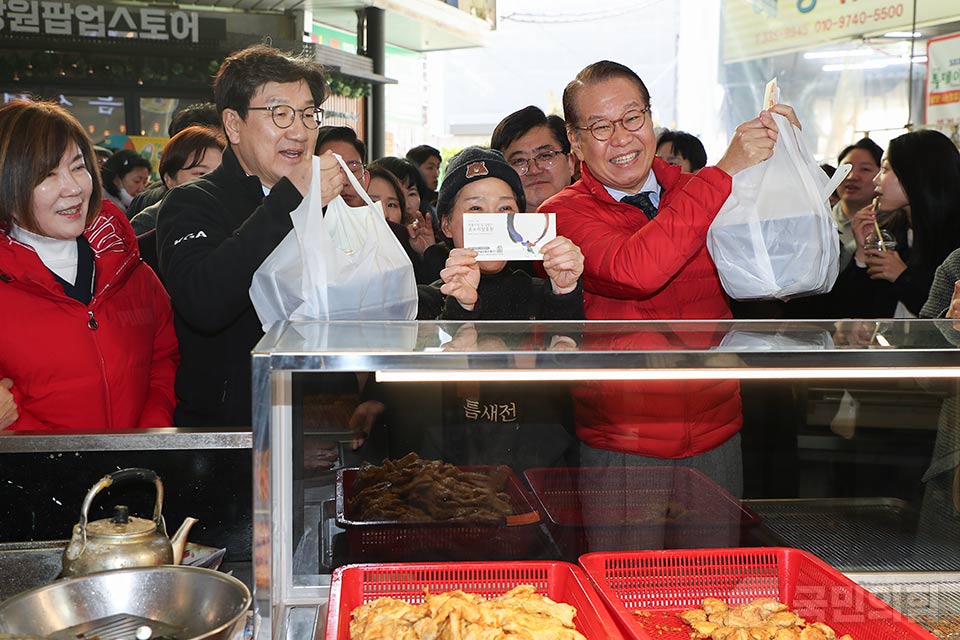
(623, 161)
(264, 149)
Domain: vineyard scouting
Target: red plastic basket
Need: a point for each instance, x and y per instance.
(664, 583)
(354, 585)
(615, 508)
(393, 540)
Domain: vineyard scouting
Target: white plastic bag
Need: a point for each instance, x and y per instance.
(345, 265)
(774, 237)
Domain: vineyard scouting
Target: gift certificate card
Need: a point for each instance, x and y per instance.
(508, 236)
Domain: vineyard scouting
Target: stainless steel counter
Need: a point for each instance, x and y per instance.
(128, 440)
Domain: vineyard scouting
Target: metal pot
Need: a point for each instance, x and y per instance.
(186, 603)
(123, 540)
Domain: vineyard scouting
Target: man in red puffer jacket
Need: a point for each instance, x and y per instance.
(642, 227)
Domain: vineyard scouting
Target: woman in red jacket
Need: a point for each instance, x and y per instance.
(86, 333)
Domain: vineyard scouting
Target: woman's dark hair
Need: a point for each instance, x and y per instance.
(593, 74)
(185, 150)
(409, 176)
(687, 146)
(27, 159)
(518, 123)
(928, 166)
(420, 154)
(120, 164)
(243, 73)
(381, 172)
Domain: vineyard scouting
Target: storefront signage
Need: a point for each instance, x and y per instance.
(758, 28)
(943, 80)
(49, 17)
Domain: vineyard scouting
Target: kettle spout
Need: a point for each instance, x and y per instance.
(179, 539)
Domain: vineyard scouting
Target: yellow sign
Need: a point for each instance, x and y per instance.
(149, 147)
(759, 28)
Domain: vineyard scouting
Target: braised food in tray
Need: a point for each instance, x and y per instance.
(762, 619)
(520, 613)
(413, 489)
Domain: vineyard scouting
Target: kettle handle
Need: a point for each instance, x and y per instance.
(118, 476)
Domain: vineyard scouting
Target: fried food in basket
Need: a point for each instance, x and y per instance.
(413, 489)
(762, 619)
(945, 627)
(520, 613)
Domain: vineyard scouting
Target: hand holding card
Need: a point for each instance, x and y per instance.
(461, 277)
(563, 262)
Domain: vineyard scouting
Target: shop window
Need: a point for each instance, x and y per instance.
(101, 116)
(156, 114)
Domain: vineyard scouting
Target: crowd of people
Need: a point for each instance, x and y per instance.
(141, 290)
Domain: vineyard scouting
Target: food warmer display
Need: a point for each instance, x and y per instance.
(452, 447)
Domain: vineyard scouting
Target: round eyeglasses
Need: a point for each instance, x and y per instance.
(603, 130)
(545, 161)
(283, 115)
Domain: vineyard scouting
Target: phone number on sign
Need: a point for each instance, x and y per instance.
(845, 21)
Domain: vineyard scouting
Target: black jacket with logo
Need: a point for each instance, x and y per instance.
(212, 235)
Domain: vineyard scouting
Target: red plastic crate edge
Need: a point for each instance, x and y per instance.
(633, 628)
(336, 606)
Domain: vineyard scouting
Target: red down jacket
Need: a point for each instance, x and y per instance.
(108, 365)
(640, 269)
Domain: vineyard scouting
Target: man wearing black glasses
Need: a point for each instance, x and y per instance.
(642, 224)
(214, 232)
(536, 146)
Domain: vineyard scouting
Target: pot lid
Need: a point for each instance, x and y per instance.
(122, 525)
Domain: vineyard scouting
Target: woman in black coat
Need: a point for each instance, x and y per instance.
(920, 173)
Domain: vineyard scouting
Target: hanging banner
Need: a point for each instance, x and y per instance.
(943, 80)
(760, 28)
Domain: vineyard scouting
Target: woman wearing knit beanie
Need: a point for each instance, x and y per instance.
(480, 180)
(523, 426)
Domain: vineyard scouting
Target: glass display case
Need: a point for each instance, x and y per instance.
(839, 438)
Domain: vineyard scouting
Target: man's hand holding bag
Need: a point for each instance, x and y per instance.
(774, 237)
(345, 265)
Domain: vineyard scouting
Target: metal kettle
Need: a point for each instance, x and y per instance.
(123, 540)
